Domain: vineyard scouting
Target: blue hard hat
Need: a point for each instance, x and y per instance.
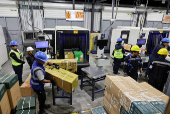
(41, 56)
(119, 40)
(13, 43)
(165, 40)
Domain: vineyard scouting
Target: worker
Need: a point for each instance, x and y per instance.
(30, 57)
(38, 79)
(158, 70)
(164, 44)
(17, 62)
(118, 55)
(133, 62)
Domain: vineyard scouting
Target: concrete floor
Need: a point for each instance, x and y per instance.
(81, 98)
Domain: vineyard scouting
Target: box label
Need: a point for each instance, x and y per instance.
(99, 110)
(142, 107)
(160, 105)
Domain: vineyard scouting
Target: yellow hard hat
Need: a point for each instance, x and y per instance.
(163, 51)
(135, 48)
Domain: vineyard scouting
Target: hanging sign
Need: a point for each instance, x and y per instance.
(74, 15)
(166, 19)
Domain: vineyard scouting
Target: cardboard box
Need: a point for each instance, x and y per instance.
(98, 110)
(160, 105)
(136, 86)
(63, 79)
(32, 111)
(146, 85)
(25, 88)
(114, 101)
(69, 55)
(111, 109)
(142, 107)
(12, 86)
(127, 79)
(164, 98)
(26, 103)
(4, 101)
(79, 56)
(67, 64)
(167, 111)
(110, 79)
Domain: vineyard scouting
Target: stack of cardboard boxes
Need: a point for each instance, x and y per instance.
(123, 95)
(63, 78)
(67, 64)
(10, 94)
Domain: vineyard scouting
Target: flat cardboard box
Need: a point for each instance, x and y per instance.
(146, 85)
(98, 110)
(149, 96)
(25, 88)
(63, 79)
(111, 109)
(4, 101)
(69, 55)
(67, 64)
(136, 86)
(32, 111)
(108, 106)
(127, 79)
(26, 103)
(164, 98)
(12, 86)
(114, 101)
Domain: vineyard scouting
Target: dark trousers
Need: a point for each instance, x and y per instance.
(116, 66)
(41, 98)
(158, 84)
(18, 71)
(135, 77)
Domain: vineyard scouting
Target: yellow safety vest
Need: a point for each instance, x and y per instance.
(19, 56)
(118, 54)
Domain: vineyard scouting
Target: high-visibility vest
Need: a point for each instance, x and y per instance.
(19, 56)
(35, 83)
(118, 54)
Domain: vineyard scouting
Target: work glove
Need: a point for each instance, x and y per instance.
(56, 66)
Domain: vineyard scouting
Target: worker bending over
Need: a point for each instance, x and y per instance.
(158, 70)
(164, 44)
(30, 57)
(118, 55)
(38, 79)
(133, 62)
(17, 62)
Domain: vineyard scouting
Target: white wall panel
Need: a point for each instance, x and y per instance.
(8, 11)
(54, 13)
(154, 16)
(106, 15)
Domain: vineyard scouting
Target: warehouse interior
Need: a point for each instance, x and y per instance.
(84, 57)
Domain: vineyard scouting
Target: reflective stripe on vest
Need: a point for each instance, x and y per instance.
(118, 54)
(18, 54)
(35, 78)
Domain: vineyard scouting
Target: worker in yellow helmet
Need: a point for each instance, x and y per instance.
(158, 70)
(133, 62)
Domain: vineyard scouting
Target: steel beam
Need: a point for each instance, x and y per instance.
(92, 16)
(73, 4)
(113, 9)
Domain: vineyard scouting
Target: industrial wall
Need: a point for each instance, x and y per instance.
(54, 14)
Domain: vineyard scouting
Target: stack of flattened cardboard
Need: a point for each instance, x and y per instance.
(26, 106)
(125, 95)
(63, 79)
(67, 64)
(12, 87)
(25, 88)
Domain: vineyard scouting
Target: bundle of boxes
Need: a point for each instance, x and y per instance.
(123, 95)
(78, 55)
(10, 96)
